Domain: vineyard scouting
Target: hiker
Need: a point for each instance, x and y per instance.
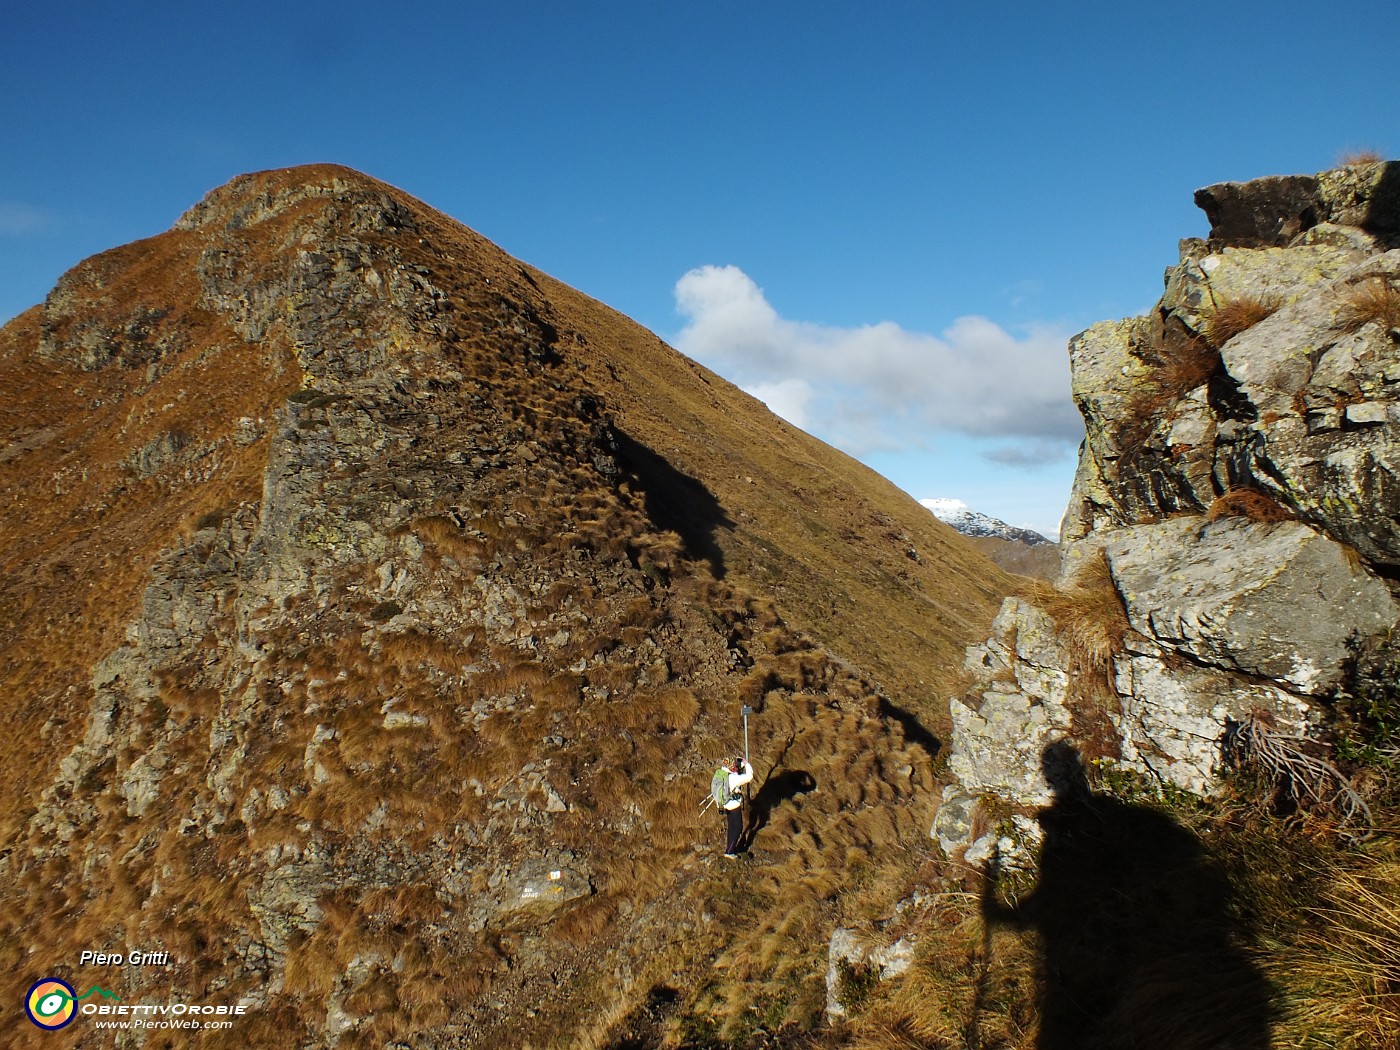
(735, 776)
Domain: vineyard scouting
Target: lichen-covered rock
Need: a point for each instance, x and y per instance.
(1003, 725)
(1173, 715)
(1295, 406)
(1000, 744)
(1278, 600)
(954, 822)
(853, 957)
(1240, 474)
(1019, 709)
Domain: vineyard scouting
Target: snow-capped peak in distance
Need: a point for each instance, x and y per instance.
(969, 522)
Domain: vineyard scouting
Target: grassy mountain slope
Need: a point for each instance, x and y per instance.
(357, 577)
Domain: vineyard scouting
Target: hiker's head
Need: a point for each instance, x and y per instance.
(737, 766)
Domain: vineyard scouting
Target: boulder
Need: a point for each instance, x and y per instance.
(1269, 211)
(1280, 209)
(1279, 600)
(539, 890)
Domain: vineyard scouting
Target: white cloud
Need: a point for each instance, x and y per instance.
(1030, 453)
(788, 398)
(880, 385)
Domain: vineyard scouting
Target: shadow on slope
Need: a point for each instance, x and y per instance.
(914, 731)
(1141, 941)
(676, 501)
(777, 789)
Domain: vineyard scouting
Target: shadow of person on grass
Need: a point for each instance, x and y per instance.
(777, 789)
(1141, 946)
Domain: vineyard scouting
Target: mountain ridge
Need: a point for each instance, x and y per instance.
(387, 599)
(974, 523)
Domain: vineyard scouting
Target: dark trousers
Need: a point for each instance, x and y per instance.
(735, 818)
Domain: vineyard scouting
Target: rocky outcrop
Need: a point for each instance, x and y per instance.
(1270, 600)
(1240, 484)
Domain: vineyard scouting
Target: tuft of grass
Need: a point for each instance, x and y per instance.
(676, 707)
(1185, 366)
(1248, 503)
(1091, 623)
(1372, 300)
(1090, 619)
(1230, 318)
(1355, 158)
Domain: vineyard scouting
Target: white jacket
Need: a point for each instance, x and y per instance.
(736, 781)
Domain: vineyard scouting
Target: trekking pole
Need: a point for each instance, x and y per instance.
(746, 710)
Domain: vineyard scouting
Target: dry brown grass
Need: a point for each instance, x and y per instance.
(1234, 316)
(414, 649)
(1090, 619)
(676, 707)
(1342, 989)
(1251, 504)
(904, 623)
(1183, 368)
(1354, 158)
(454, 541)
(967, 988)
(1373, 300)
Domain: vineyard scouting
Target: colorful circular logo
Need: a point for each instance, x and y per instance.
(51, 1003)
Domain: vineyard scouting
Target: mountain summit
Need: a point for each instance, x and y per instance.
(377, 609)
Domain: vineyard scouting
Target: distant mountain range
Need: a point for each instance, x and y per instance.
(970, 522)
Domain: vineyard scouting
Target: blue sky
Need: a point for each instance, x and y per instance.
(885, 219)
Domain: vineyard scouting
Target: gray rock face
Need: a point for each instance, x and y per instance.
(1001, 730)
(1172, 715)
(1279, 209)
(541, 889)
(1277, 601)
(1257, 390)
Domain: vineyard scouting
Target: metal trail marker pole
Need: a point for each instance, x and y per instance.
(746, 710)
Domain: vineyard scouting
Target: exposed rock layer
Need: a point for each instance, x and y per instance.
(1240, 482)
